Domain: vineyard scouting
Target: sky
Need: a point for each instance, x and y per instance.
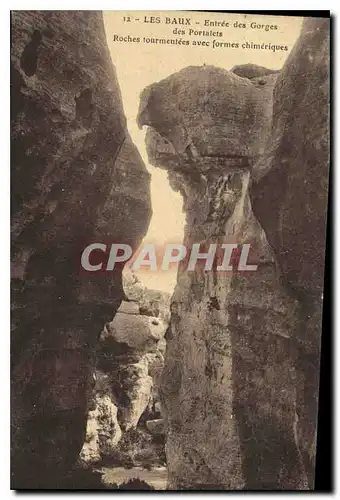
(141, 64)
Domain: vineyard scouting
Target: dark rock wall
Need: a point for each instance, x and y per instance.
(239, 384)
(294, 217)
(76, 178)
(297, 155)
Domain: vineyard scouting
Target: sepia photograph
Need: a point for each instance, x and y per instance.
(169, 197)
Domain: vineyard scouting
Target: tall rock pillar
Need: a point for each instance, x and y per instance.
(229, 382)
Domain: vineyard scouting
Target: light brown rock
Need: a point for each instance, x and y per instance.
(140, 333)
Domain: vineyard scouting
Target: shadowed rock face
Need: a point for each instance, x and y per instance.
(294, 217)
(297, 157)
(233, 379)
(228, 382)
(76, 179)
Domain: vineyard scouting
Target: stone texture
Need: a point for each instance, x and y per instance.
(231, 382)
(129, 358)
(128, 307)
(187, 131)
(102, 431)
(137, 386)
(133, 288)
(301, 97)
(155, 368)
(294, 217)
(150, 302)
(76, 178)
(140, 333)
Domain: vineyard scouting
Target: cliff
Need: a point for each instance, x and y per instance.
(294, 217)
(76, 179)
(238, 389)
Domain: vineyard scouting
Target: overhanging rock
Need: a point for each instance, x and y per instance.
(229, 386)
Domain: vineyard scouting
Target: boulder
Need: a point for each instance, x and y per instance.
(128, 307)
(188, 127)
(133, 288)
(129, 363)
(102, 432)
(150, 302)
(139, 333)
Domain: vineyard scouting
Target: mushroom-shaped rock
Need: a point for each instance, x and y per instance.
(204, 112)
(228, 384)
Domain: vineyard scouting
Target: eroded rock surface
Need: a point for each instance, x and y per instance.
(230, 386)
(76, 179)
(192, 125)
(103, 431)
(294, 217)
(130, 359)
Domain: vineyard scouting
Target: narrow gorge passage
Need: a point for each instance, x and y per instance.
(196, 380)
